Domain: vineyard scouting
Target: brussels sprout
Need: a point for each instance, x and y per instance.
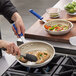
(71, 11)
(75, 8)
(70, 6)
(66, 7)
(74, 3)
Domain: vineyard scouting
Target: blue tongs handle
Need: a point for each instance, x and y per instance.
(17, 31)
(37, 15)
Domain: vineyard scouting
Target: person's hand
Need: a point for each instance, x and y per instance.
(18, 23)
(11, 48)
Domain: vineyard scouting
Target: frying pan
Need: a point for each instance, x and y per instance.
(37, 46)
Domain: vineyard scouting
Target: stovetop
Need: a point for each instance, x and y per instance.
(60, 65)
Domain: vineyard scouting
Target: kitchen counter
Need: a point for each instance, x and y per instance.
(7, 60)
(60, 5)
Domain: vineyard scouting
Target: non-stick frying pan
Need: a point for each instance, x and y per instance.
(37, 46)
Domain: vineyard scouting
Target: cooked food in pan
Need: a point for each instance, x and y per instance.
(41, 56)
(58, 27)
(22, 59)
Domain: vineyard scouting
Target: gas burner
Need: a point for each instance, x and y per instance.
(67, 67)
(16, 69)
(65, 71)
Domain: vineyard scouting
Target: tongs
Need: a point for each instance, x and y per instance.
(37, 15)
(26, 56)
(29, 57)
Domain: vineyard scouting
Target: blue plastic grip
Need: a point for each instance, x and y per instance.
(17, 31)
(37, 15)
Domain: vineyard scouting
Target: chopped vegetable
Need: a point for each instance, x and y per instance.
(58, 27)
(46, 26)
(51, 28)
(40, 54)
(45, 53)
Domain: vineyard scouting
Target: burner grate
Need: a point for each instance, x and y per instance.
(47, 70)
(67, 67)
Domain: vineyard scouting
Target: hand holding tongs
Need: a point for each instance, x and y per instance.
(20, 35)
(26, 56)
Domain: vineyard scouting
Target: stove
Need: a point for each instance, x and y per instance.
(16, 69)
(61, 65)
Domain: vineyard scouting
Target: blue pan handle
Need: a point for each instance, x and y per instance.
(37, 15)
(17, 31)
